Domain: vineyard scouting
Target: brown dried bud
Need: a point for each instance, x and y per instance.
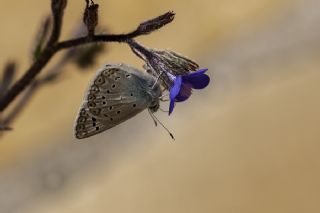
(156, 23)
(90, 17)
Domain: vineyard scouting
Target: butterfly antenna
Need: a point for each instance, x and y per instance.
(152, 116)
(156, 120)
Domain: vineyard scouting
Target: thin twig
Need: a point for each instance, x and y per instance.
(97, 38)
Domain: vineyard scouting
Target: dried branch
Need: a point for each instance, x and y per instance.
(53, 46)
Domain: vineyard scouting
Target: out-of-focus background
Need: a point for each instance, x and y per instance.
(247, 143)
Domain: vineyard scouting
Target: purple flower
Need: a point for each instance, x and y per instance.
(183, 85)
(176, 73)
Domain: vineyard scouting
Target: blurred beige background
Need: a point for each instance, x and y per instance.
(248, 143)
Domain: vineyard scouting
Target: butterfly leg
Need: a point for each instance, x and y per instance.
(157, 79)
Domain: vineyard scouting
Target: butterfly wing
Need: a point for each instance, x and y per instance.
(117, 93)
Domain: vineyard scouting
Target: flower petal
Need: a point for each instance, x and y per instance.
(175, 89)
(171, 106)
(198, 72)
(199, 82)
(185, 92)
(181, 98)
(197, 79)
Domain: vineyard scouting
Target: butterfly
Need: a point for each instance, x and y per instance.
(118, 92)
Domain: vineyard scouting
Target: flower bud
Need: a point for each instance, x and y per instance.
(156, 23)
(90, 17)
(177, 64)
